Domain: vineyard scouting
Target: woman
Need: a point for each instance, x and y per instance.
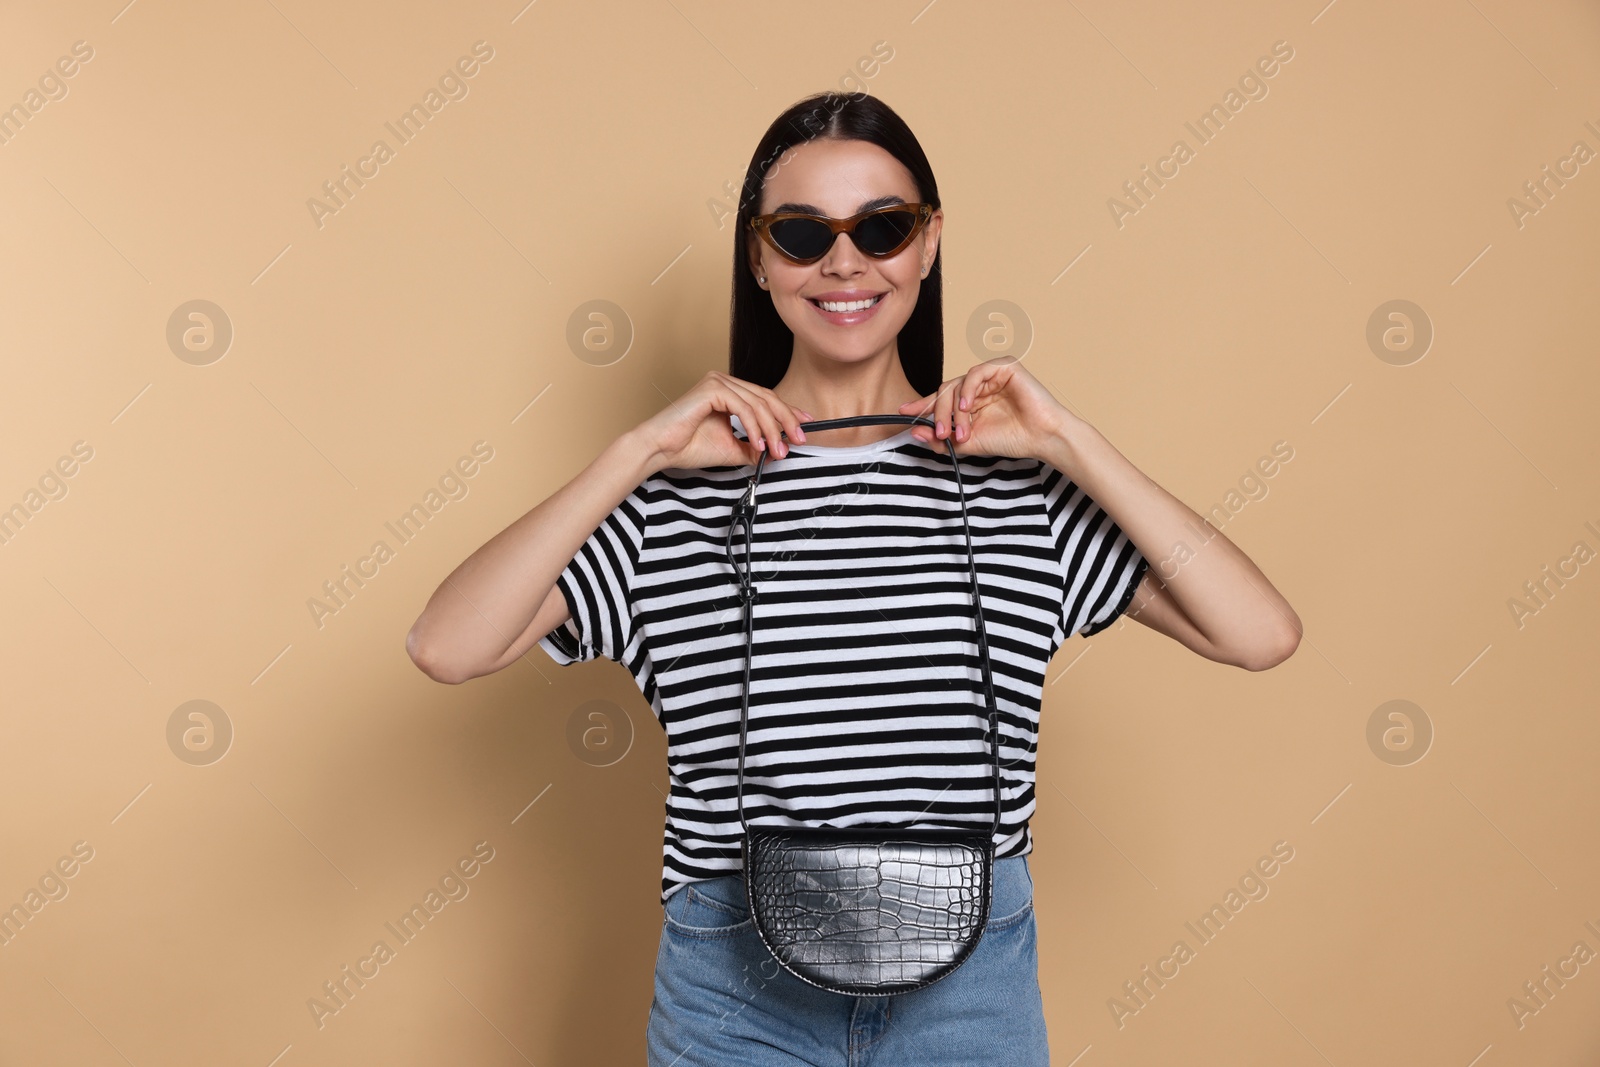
(863, 705)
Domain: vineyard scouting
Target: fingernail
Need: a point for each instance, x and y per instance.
(963, 403)
(761, 444)
(940, 426)
(799, 433)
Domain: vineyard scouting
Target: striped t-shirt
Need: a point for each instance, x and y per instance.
(866, 703)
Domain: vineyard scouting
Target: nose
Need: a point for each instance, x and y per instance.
(844, 257)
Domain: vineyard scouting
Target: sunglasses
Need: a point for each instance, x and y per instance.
(880, 233)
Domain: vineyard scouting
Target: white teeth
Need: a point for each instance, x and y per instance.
(850, 305)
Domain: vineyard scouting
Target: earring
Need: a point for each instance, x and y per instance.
(762, 279)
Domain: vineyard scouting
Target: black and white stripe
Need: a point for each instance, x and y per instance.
(866, 701)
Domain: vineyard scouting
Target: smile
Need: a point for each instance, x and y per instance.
(845, 306)
(848, 312)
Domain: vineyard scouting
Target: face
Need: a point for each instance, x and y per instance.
(840, 179)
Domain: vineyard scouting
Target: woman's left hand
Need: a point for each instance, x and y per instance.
(995, 409)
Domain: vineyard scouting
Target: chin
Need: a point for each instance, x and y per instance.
(855, 352)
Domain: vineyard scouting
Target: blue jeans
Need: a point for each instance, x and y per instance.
(721, 998)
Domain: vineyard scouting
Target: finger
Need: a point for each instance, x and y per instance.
(941, 409)
(921, 406)
(764, 422)
(960, 417)
(724, 401)
(753, 445)
(971, 387)
(730, 400)
(783, 412)
(789, 417)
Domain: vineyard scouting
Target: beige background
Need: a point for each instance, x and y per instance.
(587, 162)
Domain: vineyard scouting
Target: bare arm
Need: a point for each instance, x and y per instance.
(503, 598)
(1200, 589)
(1208, 596)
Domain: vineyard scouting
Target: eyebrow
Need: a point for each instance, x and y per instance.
(812, 209)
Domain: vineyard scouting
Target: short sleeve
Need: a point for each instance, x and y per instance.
(598, 586)
(1101, 568)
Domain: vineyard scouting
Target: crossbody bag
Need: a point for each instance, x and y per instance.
(866, 910)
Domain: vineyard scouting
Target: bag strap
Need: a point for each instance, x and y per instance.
(744, 512)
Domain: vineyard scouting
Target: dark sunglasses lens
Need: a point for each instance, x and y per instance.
(881, 234)
(801, 238)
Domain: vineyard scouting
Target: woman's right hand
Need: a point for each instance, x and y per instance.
(694, 431)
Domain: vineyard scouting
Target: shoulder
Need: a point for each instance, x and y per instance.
(678, 482)
(702, 496)
(979, 462)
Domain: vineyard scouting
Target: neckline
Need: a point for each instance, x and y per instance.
(802, 448)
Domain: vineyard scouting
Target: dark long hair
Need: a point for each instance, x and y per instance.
(760, 344)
